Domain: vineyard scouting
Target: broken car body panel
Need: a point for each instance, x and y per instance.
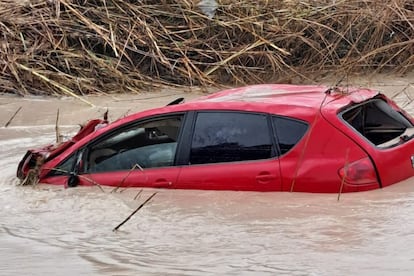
(257, 138)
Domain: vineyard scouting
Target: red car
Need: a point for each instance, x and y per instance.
(256, 138)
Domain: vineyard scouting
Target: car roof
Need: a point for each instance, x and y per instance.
(296, 101)
(294, 95)
(300, 101)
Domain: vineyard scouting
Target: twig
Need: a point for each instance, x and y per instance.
(345, 171)
(126, 176)
(12, 117)
(80, 176)
(54, 83)
(140, 191)
(235, 55)
(133, 213)
(105, 116)
(32, 176)
(302, 154)
(57, 127)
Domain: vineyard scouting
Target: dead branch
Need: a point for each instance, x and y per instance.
(126, 176)
(12, 117)
(345, 173)
(80, 176)
(137, 195)
(124, 46)
(32, 177)
(134, 212)
(57, 128)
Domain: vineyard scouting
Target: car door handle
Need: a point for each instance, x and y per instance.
(265, 177)
(162, 183)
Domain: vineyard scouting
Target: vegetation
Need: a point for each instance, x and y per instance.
(59, 47)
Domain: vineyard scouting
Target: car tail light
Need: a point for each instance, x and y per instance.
(359, 172)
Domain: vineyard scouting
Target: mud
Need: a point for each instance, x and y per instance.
(49, 229)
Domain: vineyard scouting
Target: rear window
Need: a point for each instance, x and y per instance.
(378, 122)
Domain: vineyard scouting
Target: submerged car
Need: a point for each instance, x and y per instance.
(256, 138)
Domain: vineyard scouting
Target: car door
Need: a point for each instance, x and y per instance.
(230, 151)
(141, 154)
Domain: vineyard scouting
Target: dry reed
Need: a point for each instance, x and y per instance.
(66, 47)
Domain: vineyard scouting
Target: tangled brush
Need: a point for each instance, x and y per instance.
(59, 47)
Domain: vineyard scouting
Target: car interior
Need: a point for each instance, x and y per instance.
(377, 121)
(148, 145)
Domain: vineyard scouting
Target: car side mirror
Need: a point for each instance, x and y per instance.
(73, 180)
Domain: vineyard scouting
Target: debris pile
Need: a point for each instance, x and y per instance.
(68, 47)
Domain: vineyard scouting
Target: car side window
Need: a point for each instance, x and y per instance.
(230, 136)
(289, 132)
(146, 145)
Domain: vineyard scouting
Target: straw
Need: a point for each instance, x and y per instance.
(114, 46)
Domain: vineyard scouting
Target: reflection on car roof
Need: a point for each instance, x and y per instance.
(287, 94)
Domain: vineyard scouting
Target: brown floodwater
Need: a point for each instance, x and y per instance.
(50, 229)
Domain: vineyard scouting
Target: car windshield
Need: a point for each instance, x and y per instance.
(378, 122)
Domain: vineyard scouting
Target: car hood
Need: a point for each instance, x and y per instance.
(34, 158)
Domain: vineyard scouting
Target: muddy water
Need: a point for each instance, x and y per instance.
(49, 229)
